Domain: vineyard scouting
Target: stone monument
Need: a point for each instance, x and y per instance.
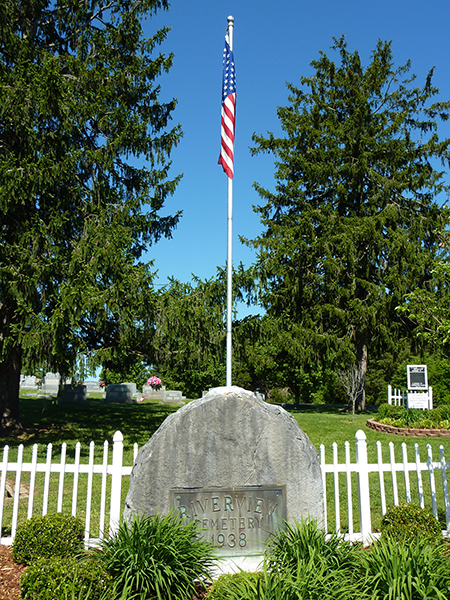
(73, 394)
(232, 462)
(121, 392)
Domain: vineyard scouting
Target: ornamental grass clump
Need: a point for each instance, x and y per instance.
(263, 585)
(399, 570)
(316, 565)
(305, 541)
(47, 537)
(157, 557)
(237, 585)
(303, 563)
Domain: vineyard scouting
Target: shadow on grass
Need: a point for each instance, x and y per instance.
(44, 423)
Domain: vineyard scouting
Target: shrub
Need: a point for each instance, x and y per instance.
(413, 416)
(383, 410)
(238, 585)
(438, 418)
(319, 566)
(400, 570)
(303, 542)
(48, 536)
(265, 585)
(398, 422)
(63, 579)
(410, 523)
(392, 412)
(438, 414)
(158, 557)
(280, 396)
(386, 421)
(428, 424)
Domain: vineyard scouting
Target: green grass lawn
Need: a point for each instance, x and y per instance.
(46, 423)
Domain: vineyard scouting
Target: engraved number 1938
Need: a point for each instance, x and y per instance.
(230, 540)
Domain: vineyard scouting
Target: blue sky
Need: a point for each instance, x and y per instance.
(274, 43)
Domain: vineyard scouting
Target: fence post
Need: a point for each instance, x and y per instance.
(365, 521)
(116, 483)
(389, 394)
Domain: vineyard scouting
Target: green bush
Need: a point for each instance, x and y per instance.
(302, 563)
(398, 416)
(295, 543)
(48, 536)
(410, 523)
(319, 566)
(64, 579)
(232, 585)
(398, 422)
(383, 410)
(157, 557)
(280, 396)
(400, 570)
(428, 424)
(440, 413)
(391, 411)
(264, 585)
(413, 416)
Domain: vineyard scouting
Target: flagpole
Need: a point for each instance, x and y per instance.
(230, 247)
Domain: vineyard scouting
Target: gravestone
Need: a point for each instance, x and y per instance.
(121, 392)
(232, 462)
(73, 394)
(173, 397)
(93, 387)
(28, 382)
(50, 385)
(152, 394)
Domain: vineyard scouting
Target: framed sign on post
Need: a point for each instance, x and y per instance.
(418, 400)
(417, 377)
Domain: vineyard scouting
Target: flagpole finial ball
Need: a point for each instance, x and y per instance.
(230, 19)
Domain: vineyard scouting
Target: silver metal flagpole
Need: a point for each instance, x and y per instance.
(230, 245)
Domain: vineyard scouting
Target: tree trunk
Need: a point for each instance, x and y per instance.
(361, 365)
(10, 369)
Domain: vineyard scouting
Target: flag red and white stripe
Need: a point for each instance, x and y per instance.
(228, 118)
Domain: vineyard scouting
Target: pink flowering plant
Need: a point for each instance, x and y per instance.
(154, 381)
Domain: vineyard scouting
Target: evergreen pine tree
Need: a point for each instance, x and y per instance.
(78, 106)
(355, 220)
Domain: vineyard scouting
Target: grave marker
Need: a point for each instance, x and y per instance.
(235, 464)
(121, 392)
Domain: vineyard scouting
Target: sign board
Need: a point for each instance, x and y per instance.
(237, 520)
(418, 400)
(417, 377)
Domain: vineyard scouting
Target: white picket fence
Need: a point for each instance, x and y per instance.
(354, 490)
(417, 484)
(396, 397)
(411, 398)
(110, 472)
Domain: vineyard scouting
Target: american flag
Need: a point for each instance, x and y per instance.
(228, 110)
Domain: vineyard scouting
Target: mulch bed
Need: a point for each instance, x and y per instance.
(10, 575)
